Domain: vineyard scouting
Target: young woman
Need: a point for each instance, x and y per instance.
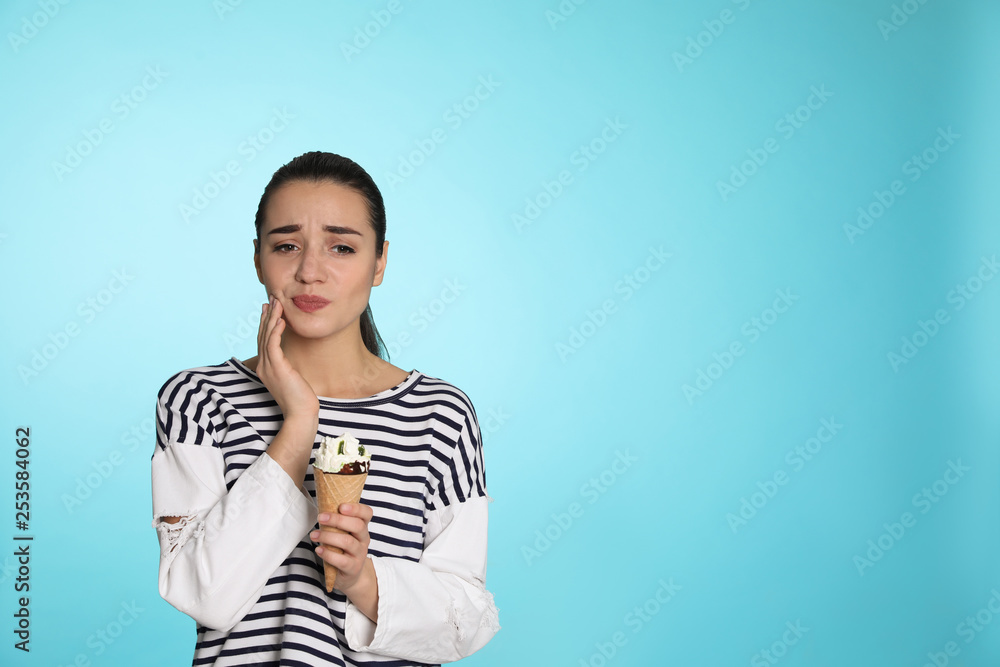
(233, 489)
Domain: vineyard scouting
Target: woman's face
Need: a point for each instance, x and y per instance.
(316, 240)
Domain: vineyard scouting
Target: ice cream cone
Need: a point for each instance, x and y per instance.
(332, 489)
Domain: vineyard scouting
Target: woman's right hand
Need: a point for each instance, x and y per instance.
(290, 390)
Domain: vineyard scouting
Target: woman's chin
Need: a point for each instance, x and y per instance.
(309, 330)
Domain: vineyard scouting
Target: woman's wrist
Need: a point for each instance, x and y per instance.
(302, 421)
(292, 446)
(363, 593)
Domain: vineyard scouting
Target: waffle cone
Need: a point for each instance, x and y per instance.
(332, 489)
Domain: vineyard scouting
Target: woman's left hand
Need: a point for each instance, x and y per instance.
(353, 520)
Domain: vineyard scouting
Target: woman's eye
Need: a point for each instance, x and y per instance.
(338, 249)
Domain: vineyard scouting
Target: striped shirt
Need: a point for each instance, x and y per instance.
(241, 563)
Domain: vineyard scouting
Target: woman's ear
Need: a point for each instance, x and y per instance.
(256, 261)
(380, 265)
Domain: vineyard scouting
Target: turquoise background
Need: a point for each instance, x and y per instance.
(569, 370)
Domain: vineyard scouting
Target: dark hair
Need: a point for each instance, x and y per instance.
(317, 166)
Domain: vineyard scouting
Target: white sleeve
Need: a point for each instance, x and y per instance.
(436, 610)
(215, 562)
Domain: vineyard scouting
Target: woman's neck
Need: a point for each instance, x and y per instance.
(334, 368)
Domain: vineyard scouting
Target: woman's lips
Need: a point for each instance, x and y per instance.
(309, 303)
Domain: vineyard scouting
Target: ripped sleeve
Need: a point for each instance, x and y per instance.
(215, 561)
(438, 609)
(187, 482)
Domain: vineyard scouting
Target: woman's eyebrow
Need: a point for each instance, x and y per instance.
(333, 229)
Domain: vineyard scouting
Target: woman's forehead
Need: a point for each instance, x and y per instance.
(317, 205)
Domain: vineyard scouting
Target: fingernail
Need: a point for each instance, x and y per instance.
(324, 517)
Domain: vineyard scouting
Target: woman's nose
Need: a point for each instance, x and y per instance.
(310, 264)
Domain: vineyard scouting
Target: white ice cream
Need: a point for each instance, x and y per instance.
(334, 453)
